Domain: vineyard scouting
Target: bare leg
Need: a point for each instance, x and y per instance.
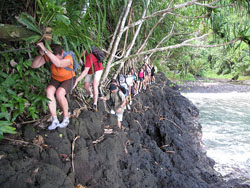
(60, 95)
(119, 124)
(96, 92)
(50, 92)
(87, 87)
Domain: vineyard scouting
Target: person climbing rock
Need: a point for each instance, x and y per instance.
(61, 80)
(92, 76)
(118, 102)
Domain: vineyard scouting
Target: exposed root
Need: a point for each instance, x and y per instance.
(22, 142)
(73, 148)
(164, 146)
(174, 124)
(138, 124)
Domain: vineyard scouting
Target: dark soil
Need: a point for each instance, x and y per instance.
(160, 148)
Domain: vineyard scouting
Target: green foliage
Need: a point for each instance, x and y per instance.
(22, 92)
(188, 77)
(5, 127)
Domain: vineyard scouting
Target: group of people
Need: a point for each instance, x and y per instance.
(125, 87)
(63, 80)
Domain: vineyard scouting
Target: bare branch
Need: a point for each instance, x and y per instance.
(187, 34)
(189, 17)
(134, 38)
(183, 44)
(210, 5)
(160, 12)
(170, 33)
(117, 41)
(215, 45)
(116, 30)
(150, 33)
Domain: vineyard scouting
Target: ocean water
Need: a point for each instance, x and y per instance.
(225, 120)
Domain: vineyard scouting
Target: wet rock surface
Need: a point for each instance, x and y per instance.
(202, 85)
(159, 148)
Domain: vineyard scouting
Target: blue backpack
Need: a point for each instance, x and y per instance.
(75, 63)
(75, 66)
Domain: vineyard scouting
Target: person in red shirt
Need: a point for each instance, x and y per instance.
(92, 76)
(61, 81)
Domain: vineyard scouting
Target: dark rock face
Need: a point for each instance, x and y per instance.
(160, 148)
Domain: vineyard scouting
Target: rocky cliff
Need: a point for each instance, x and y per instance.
(160, 147)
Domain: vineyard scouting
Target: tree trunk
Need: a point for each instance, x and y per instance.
(14, 33)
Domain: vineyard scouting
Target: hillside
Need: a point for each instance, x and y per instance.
(160, 147)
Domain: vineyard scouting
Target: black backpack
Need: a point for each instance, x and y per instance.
(122, 89)
(99, 54)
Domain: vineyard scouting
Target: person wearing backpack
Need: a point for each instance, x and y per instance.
(118, 102)
(91, 76)
(61, 80)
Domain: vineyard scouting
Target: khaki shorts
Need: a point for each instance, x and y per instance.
(67, 84)
(97, 77)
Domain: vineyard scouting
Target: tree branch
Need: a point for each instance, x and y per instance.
(183, 44)
(189, 17)
(210, 5)
(117, 41)
(160, 12)
(134, 38)
(164, 38)
(116, 30)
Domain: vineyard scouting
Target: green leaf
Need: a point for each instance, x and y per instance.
(5, 115)
(64, 19)
(14, 116)
(29, 22)
(6, 128)
(33, 39)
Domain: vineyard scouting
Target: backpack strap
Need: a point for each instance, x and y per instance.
(75, 63)
(70, 69)
(119, 94)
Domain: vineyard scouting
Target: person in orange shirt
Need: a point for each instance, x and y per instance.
(61, 80)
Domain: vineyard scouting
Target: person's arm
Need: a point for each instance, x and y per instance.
(55, 60)
(83, 74)
(103, 98)
(38, 61)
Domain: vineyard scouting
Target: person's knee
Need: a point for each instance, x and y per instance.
(60, 93)
(95, 86)
(86, 85)
(50, 91)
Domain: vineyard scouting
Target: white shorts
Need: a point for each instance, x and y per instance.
(97, 77)
(119, 116)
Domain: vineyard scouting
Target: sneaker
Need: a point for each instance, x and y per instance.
(64, 123)
(95, 107)
(55, 123)
(130, 102)
(128, 107)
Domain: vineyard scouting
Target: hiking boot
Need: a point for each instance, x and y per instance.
(55, 123)
(95, 108)
(64, 123)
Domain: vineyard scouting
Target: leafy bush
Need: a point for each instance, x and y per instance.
(22, 92)
(187, 76)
